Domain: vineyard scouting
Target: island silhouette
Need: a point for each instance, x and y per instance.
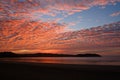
(11, 54)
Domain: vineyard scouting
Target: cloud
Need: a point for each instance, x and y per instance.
(22, 34)
(17, 9)
(17, 35)
(22, 28)
(101, 37)
(115, 14)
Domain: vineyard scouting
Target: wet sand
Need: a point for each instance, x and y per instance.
(41, 71)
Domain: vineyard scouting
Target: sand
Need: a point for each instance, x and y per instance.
(41, 71)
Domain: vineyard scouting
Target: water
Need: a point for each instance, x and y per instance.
(68, 60)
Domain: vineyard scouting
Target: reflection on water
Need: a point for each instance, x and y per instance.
(68, 60)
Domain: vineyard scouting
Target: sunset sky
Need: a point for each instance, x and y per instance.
(60, 26)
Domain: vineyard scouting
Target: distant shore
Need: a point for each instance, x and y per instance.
(11, 54)
(43, 71)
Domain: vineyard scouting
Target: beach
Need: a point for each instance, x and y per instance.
(46, 71)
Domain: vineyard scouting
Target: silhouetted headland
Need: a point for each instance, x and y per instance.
(88, 55)
(11, 54)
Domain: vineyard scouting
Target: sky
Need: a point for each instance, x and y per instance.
(60, 26)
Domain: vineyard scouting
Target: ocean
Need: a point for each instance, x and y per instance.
(68, 60)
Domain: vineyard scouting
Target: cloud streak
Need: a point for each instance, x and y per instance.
(115, 14)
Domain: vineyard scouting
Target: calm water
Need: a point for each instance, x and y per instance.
(68, 60)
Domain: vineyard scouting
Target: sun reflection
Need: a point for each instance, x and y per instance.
(49, 60)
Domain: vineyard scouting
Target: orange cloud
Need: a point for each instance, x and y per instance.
(22, 34)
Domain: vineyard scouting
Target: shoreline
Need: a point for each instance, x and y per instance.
(114, 68)
(47, 71)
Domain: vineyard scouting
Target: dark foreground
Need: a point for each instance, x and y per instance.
(34, 71)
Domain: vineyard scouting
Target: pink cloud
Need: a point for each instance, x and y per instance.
(22, 34)
(115, 14)
(97, 38)
(103, 2)
(28, 8)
